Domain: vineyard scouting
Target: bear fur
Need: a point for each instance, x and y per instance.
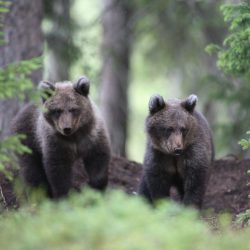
(64, 130)
(179, 151)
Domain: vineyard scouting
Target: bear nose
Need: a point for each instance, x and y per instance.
(67, 131)
(178, 151)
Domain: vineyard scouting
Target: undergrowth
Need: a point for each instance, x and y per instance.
(113, 221)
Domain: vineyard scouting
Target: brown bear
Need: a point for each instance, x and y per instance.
(179, 151)
(66, 129)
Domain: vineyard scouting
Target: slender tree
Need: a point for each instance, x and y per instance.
(116, 49)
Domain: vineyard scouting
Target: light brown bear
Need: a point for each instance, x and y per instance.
(66, 129)
(179, 151)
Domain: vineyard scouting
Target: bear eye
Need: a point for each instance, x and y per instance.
(184, 131)
(56, 112)
(74, 111)
(168, 131)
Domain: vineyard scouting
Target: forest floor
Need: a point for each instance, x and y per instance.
(227, 189)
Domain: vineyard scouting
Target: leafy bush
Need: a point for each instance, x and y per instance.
(115, 221)
(14, 82)
(234, 61)
(234, 57)
(9, 147)
(245, 143)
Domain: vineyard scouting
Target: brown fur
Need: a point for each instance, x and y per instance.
(66, 129)
(179, 151)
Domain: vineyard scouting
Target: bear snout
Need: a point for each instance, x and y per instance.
(67, 131)
(178, 151)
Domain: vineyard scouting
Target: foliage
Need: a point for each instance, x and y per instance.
(9, 147)
(245, 143)
(113, 221)
(14, 81)
(234, 60)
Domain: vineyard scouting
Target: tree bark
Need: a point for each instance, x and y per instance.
(23, 40)
(116, 48)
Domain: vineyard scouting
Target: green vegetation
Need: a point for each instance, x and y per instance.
(14, 83)
(233, 57)
(9, 147)
(115, 221)
(234, 61)
(245, 143)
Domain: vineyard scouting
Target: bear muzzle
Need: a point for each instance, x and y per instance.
(67, 131)
(178, 151)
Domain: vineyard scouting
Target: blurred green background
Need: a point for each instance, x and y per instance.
(131, 50)
(167, 57)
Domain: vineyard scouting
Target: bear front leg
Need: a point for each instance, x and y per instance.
(32, 171)
(195, 185)
(143, 189)
(159, 184)
(96, 165)
(58, 163)
(156, 181)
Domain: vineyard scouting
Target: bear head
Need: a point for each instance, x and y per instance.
(171, 125)
(66, 106)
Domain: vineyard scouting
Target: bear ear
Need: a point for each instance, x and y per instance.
(82, 86)
(156, 103)
(190, 103)
(47, 89)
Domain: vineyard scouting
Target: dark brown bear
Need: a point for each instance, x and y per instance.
(65, 130)
(179, 151)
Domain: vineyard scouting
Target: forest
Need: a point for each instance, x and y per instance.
(131, 52)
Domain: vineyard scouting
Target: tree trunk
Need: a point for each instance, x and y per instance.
(61, 49)
(23, 40)
(116, 48)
